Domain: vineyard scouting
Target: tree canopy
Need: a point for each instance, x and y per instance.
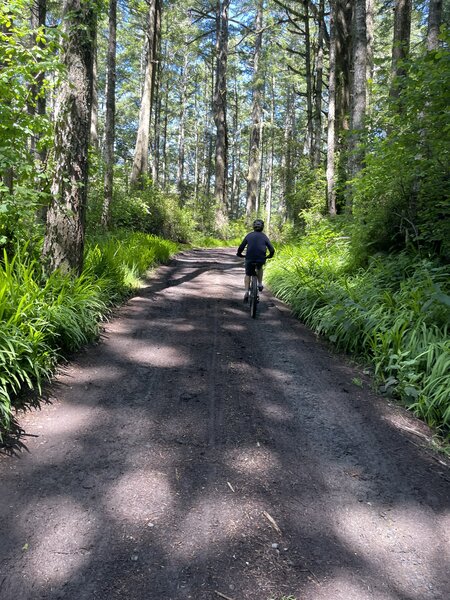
(212, 112)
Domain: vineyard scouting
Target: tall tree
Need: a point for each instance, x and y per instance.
(317, 146)
(140, 161)
(254, 163)
(269, 178)
(434, 23)
(343, 28)
(236, 153)
(370, 24)
(181, 136)
(158, 159)
(110, 112)
(287, 158)
(330, 174)
(64, 238)
(358, 87)
(309, 83)
(400, 45)
(94, 111)
(220, 112)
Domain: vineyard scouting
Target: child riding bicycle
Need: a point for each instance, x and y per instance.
(257, 244)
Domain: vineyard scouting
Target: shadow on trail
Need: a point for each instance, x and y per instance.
(197, 431)
(219, 261)
(13, 440)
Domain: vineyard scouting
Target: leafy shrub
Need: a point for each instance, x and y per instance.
(21, 63)
(307, 204)
(401, 196)
(148, 211)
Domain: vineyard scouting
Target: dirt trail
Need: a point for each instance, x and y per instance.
(198, 454)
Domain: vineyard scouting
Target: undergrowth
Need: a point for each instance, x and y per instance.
(394, 314)
(43, 318)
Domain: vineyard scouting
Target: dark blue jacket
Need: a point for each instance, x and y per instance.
(257, 244)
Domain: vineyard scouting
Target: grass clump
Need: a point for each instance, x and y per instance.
(393, 314)
(43, 318)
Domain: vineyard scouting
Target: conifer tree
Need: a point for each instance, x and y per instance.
(65, 232)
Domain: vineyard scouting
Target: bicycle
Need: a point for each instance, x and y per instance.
(252, 295)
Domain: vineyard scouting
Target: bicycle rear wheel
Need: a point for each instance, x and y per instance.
(253, 297)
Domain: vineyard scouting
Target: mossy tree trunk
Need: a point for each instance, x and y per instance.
(65, 232)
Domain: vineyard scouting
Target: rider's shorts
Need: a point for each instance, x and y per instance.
(250, 267)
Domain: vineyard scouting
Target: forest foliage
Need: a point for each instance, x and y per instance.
(327, 118)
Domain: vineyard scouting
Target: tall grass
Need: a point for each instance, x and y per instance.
(43, 318)
(393, 314)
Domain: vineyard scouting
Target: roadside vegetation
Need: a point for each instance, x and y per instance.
(393, 314)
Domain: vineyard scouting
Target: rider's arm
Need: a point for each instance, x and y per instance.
(241, 247)
(271, 249)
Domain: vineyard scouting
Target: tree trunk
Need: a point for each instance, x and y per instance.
(309, 145)
(358, 95)
(288, 180)
(64, 238)
(235, 159)
(254, 165)
(370, 16)
(197, 158)
(159, 95)
(181, 135)
(318, 87)
(331, 191)
(94, 109)
(220, 118)
(210, 87)
(110, 113)
(343, 26)
(343, 31)
(164, 146)
(207, 95)
(155, 103)
(434, 23)
(269, 179)
(156, 176)
(400, 45)
(140, 162)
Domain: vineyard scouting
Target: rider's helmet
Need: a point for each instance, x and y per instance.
(258, 225)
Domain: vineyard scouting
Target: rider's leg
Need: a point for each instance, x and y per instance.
(248, 271)
(247, 285)
(260, 275)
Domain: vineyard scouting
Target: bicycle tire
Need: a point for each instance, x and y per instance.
(253, 297)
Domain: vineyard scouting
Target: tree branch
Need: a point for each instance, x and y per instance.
(199, 37)
(289, 10)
